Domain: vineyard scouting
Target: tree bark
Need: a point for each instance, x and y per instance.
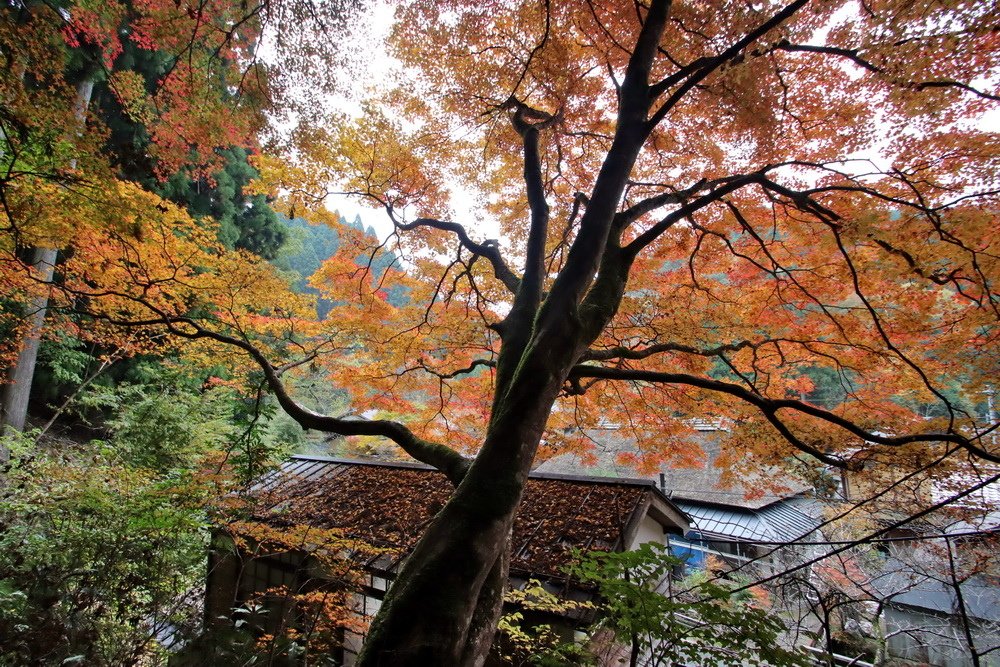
(14, 403)
(443, 606)
(488, 610)
(14, 409)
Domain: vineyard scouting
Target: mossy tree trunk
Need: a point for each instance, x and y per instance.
(445, 602)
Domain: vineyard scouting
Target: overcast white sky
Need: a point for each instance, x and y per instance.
(377, 72)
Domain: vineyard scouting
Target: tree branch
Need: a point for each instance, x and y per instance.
(473, 365)
(621, 352)
(487, 249)
(807, 204)
(516, 328)
(855, 57)
(650, 204)
(698, 74)
(529, 294)
(587, 252)
(445, 459)
(770, 406)
(654, 232)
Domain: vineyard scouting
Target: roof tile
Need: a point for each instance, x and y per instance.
(389, 505)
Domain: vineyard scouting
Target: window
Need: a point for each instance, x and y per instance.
(269, 613)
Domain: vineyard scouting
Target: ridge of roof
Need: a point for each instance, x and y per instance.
(698, 484)
(411, 465)
(643, 482)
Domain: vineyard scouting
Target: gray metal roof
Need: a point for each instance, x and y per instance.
(792, 518)
(921, 587)
(778, 522)
(723, 521)
(299, 469)
(721, 511)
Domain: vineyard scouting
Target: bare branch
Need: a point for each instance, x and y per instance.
(884, 531)
(487, 249)
(855, 57)
(770, 406)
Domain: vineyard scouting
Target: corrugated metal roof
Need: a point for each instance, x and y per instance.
(778, 522)
(787, 522)
(297, 470)
(722, 521)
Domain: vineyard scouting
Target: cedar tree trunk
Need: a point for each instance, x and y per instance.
(14, 403)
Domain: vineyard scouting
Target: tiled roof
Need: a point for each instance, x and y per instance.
(389, 505)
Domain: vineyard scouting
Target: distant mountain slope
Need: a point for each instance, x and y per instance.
(701, 484)
(307, 246)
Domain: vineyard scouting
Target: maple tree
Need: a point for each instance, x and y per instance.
(676, 183)
(685, 228)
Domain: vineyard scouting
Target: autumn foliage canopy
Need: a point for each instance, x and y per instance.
(814, 198)
(780, 217)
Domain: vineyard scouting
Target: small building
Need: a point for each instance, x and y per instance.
(926, 624)
(937, 580)
(733, 522)
(940, 596)
(388, 505)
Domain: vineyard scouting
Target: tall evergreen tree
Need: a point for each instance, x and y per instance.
(246, 221)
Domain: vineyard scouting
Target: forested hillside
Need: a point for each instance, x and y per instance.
(308, 246)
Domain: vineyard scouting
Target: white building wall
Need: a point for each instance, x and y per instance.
(650, 530)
